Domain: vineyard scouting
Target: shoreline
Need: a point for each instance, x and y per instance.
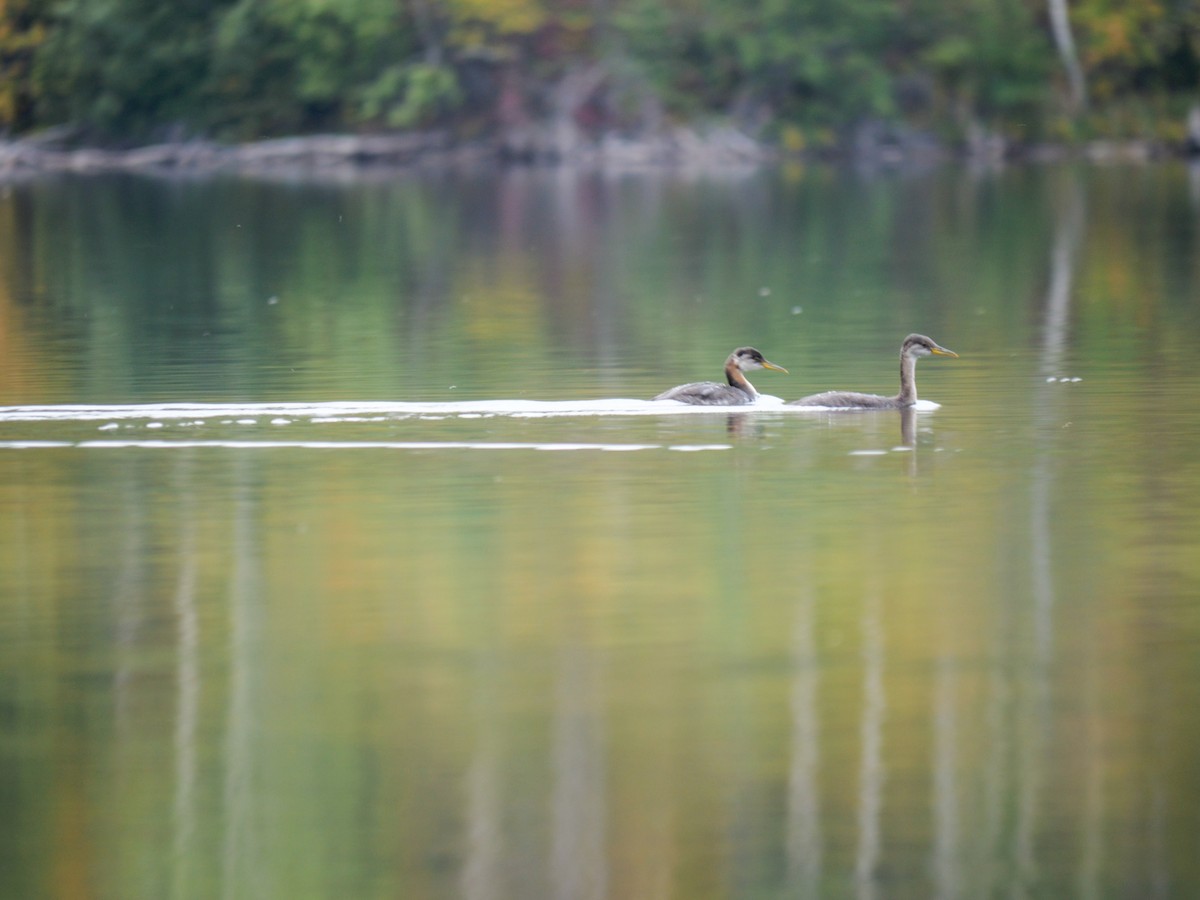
(679, 148)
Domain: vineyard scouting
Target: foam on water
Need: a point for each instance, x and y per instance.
(360, 411)
(156, 414)
(919, 406)
(347, 445)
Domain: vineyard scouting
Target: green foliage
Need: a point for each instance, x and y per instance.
(295, 65)
(126, 66)
(254, 74)
(404, 96)
(816, 63)
(989, 59)
(245, 68)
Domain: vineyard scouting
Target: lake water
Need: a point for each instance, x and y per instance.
(341, 555)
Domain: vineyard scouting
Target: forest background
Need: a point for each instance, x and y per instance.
(801, 75)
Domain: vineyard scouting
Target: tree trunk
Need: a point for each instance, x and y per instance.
(1060, 26)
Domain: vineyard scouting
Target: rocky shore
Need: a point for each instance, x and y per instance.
(682, 147)
(50, 154)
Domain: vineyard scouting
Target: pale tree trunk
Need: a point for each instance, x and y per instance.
(428, 31)
(573, 90)
(1060, 26)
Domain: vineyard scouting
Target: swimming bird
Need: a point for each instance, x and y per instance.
(914, 346)
(737, 392)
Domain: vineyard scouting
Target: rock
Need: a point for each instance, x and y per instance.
(1119, 151)
(1193, 131)
(879, 143)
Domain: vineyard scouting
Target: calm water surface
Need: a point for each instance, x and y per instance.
(418, 599)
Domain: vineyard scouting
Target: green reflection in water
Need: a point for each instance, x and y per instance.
(835, 658)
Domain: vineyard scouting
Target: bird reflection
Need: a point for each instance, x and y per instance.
(908, 437)
(908, 427)
(741, 425)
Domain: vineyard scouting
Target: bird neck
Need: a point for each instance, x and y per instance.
(736, 379)
(908, 380)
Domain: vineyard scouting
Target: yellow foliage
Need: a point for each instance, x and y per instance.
(507, 17)
(18, 42)
(1110, 40)
(1120, 34)
(792, 139)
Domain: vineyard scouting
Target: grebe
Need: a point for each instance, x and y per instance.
(915, 345)
(738, 392)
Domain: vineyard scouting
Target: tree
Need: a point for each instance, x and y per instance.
(126, 67)
(1060, 27)
(1140, 47)
(821, 62)
(22, 31)
(296, 65)
(990, 62)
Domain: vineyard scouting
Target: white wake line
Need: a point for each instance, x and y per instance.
(347, 445)
(360, 411)
(334, 411)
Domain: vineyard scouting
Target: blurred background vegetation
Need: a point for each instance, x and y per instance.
(802, 73)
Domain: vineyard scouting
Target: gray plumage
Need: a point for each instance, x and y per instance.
(914, 347)
(738, 391)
